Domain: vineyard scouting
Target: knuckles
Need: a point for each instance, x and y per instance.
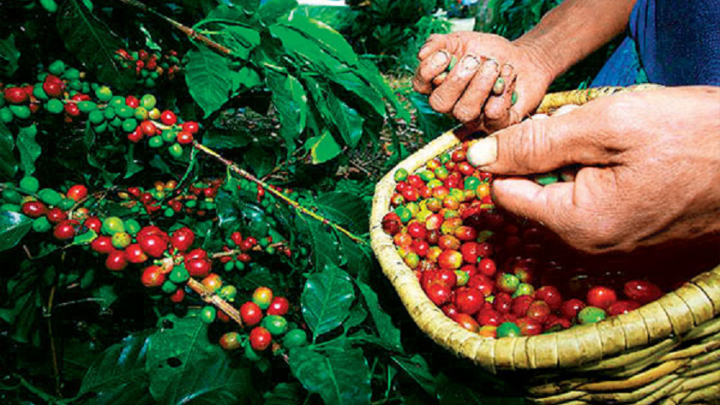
(464, 113)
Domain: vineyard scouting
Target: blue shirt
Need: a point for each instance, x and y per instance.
(670, 42)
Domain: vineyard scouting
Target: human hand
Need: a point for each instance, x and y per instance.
(650, 169)
(479, 89)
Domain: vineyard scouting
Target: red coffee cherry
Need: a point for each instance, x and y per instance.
(469, 300)
(153, 276)
(601, 297)
(571, 307)
(102, 244)
(278, 306)
(116, 260)
(642, 291)
(251, 313)
(34, 209)
(260, 338)
(65, 230)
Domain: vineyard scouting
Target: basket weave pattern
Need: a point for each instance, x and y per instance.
(666, 352)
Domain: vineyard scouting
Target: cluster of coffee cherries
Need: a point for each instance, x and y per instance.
(266, 327)
(60, 91)
(234, 260)
(164, 198)
(482, 267)
(48, 208)
(149, 67)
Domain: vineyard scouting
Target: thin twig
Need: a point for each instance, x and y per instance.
(239, 251)
(235, 168)
(186, 30)
(214, 299)
(56, 369)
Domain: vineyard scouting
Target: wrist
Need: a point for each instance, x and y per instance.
(540, 61)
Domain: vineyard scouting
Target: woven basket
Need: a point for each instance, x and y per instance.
(666, 352)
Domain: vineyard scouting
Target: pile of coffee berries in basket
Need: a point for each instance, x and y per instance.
(491, 272)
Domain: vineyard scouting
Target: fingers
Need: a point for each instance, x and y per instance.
(497, 108)
(435, 43)
(443, 99)
(428, 69)
(538, 146)
(470, 105)
(551, 205)
(580, 212)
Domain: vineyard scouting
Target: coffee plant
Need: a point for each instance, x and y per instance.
(181, 221)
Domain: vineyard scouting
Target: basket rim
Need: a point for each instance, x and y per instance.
(670, 317)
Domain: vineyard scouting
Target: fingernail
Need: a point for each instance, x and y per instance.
(484, 152)
(470, 62)
(492, 65)
(440, 58)
(507, 69)
(499, 86)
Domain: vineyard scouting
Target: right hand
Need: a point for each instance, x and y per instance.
(467, 90)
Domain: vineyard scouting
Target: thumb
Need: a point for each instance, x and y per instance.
(537, 146)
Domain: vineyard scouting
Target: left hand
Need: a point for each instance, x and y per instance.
(478, 91)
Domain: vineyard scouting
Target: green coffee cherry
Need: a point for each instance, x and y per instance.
(30, 184)
(55, 106)
(57, 68)
(41, 224)
(49, 196)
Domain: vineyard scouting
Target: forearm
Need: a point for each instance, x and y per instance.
(573, 30)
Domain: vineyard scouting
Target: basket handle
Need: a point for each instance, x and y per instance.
(554, 101)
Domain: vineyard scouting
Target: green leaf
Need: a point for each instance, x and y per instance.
(307, 51)
(358, 257)
(325, 246)
(85, 238)
(29, 148)
(186, 368)
(323, 148)
(290, 101)
(384, 324)
(8, 163)
(240, 39)
(372, 75)
(207, 75)
(119, 376)
(341, 376)
(245, 77)
(430, 122)
(286, 394)
(261, 160)
(13, 227)
(347, 120)
(106, 296)
(216, 139)
(274, 9)
(357, 316)
(24, 291)
(326, 300)
(133, 165)
(330, 40)
(95, 155)
(418, 369)
(260, 276)
(92, 41)
(226, 210)
(9, 56)
(345, 209)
